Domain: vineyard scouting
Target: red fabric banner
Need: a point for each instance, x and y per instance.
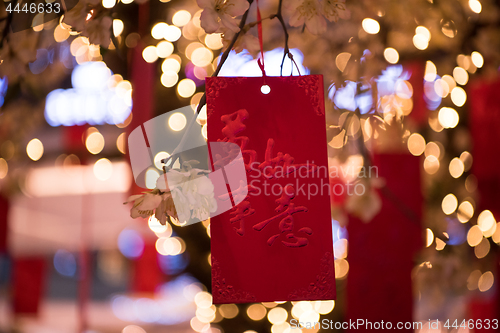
(484, 117)
(28, 279)
(146, 274)
(381, 252)
(276, 245)
(484, 123)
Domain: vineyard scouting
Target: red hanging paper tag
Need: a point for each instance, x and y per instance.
(276, 245)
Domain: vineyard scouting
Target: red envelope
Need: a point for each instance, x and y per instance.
(276, 245)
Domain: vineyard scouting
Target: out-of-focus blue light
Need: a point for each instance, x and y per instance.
(91, 100)
(43, 58)
(4, 83)
(131, 244)
(172, 265)
(243, 64)
(456, 231)
(338, 232)
(65, 263)
(432, 99)
(168, 307)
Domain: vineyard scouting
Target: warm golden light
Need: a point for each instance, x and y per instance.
(158, 31)
(169, 78)
(448, 117)
(341, 60)
(482, 249)
(430, 71)
(475, 6)
(466, 158)
(431, 164)
(277, 315)
(181, 18)
(4, 168)
(108, 3)
(34, 149)
(61, 34)
(323, 307)
(450, 81)
(474, 236)
(172, 33)
(429, 236)
(149, 54)
(440, 244)
(156, 226)
(150, 178)
(420, 42)
(158, 157)
(441, 88)
(103, 169)
(486, 281)
(456, 167)
(458, 96)
(424, 32)
(465, 211)
(94, 142)
(164, 49)
(391, 55)
(177, 121)
(121, 143)
(416, 144)
(117, 27)
(473, 279)
(256, 312)
(228, 311)
(486, 221)
(460, 75)
(186, 88)
(214, 41)
(202, 57)
(171, 64)
(449, 204)
(341, 268)
(370, 26)
(477, 59)
(432, 149)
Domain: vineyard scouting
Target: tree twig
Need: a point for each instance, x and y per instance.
(286, 50)
(8, 22)
(224, 56)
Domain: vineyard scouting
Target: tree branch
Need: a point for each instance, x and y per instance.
(224, 56)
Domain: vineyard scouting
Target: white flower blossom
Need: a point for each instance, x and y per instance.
(144, 204)
(308, 12)
(98, 30)
(245, 41)
(192, 193)
(335, 9)
(219, 14)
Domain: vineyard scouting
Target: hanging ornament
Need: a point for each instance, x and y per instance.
(276, 244)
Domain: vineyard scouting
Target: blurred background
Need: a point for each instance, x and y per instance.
(410, 87)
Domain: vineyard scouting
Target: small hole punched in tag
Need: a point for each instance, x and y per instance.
(265, 89)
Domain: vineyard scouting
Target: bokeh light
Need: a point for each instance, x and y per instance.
(181, 18)
(391, 55)
(103, 169)
(177, 121)
(34, 149)
(449, 204)
(416, 144)
(371, 26)
(186, 88)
